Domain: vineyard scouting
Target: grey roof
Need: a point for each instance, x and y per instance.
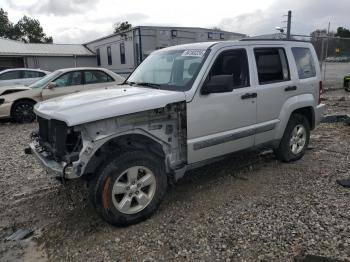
(17, 48)
(165, 27)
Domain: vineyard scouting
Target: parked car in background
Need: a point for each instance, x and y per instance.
(183, 107)
(17, 102)
(347, 82)
(21, 76)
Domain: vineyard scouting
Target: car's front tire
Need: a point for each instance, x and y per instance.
(129, 188)
(23, 111)
(295, 139)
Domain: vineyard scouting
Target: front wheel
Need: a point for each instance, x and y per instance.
(295, 139)
(23, 112)
(129, 188)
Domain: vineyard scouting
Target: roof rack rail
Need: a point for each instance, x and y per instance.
(273, 39)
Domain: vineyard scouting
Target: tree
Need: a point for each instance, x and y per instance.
(121, 27)
(343, 32)
(216, 28)
(27, 29)
(30, 31)
(5, 24)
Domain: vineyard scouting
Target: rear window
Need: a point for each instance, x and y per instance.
(304, 61)
(33, 74)
(11, 75)
(272, 65)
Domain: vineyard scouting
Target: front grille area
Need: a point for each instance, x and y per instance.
(56, 138)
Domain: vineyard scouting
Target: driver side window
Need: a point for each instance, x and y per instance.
(68, 79)
(235, 63)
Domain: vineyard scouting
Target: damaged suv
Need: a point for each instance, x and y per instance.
(183, 107)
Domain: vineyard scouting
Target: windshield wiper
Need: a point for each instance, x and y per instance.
(152, 85)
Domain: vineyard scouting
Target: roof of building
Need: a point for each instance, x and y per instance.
(17, 48)
(165, 27)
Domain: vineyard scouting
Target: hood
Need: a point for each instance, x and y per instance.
(5, 90)
(100, 104)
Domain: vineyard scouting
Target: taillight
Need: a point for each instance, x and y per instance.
(320, 93)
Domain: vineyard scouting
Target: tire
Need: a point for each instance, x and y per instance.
(120, 202)
(295, 139)
(22, 112)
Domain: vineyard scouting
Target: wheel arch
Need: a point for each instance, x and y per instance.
(302, 104)
(122, 143)
(309, 113)
(21, 100)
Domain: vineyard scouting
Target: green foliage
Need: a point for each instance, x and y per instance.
(343, 32)
(121, 26)
(5, 24)
(27, 29)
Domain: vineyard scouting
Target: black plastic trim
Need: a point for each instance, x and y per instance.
(232, 137)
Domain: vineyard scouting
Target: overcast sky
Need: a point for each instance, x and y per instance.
(78, 21)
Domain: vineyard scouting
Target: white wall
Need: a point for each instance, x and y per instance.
(152, 38)
(114, 42)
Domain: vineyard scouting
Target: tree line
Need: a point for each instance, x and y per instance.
(27, 29)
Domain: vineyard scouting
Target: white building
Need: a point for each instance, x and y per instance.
(122, 52)
(44, 56)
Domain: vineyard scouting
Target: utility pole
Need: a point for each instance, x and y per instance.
(289, 23)
(325, 64)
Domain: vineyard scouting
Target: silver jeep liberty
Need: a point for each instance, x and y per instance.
(183, 107)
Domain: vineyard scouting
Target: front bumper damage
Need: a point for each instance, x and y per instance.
(42, 156)
(61, 170)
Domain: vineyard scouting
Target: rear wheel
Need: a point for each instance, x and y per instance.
(22, 112)
(129, 188)
(295, 139)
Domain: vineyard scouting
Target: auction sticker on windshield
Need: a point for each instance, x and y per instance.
(194, 52)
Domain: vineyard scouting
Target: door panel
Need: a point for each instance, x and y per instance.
(67, 83)
(221, 123)
(275, 86)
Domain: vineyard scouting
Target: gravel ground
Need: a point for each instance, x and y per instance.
(247, 208)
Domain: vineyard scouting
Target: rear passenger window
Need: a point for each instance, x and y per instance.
(305, 63)
(235, 63)
(272, 65)
(95, 77)
(32, 74)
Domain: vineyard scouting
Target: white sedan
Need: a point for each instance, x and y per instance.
(17, 102)
(21, 76)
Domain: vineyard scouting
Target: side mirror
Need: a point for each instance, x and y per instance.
(51, 85)
(218, 84)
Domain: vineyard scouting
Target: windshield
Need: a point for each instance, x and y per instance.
(45, 80)
(174, 69)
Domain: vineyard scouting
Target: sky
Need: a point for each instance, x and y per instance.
(79, 21)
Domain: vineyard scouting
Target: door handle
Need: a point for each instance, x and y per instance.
(290, 88)
(249, 95)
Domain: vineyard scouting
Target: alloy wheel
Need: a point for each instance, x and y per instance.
(133, 190)
(298, 139)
